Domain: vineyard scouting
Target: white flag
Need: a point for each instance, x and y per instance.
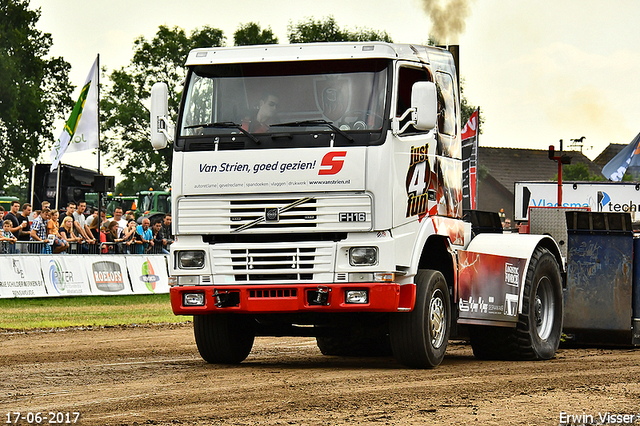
(81, 129)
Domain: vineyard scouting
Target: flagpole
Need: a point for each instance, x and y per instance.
(99, 218)
(477, 161)
(98, 87)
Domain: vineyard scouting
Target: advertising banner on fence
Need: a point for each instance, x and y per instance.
(82, 275)
(148, 274)
(108, 275)
(18, 277)
(64, 276)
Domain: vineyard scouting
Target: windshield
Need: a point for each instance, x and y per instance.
(250, 105)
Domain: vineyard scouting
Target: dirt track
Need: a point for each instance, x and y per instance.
(154, 375)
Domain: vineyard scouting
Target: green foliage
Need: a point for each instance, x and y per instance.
(466, 109)
(125, 119)
(34, 90)
(578, 172)
(251, 33)
(327, 30)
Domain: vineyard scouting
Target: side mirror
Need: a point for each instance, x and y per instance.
(424, 102)
(160, 124)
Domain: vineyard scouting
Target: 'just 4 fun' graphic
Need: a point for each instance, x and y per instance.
(421, 182)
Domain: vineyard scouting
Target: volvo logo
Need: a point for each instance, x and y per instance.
(271, 214)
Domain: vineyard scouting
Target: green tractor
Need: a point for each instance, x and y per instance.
(151, 204)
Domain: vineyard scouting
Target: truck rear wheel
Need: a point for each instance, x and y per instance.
(223, 338)
(539, 328)
(419, 338)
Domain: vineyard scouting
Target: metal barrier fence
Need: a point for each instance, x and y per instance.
(45, 247)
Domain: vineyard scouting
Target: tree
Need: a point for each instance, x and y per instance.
(251, 33)
(466, 109)
(327, 30)
(34, 90)
(580, 172)
(125, 119)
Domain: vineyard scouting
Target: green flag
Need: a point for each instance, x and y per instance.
(81, 129)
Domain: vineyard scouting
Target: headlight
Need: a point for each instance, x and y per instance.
(193, 299)
(357, 296)
(191, 259)
(363, 256)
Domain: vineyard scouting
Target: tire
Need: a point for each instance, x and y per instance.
(419, 338)
(223, 338)
(539, 328)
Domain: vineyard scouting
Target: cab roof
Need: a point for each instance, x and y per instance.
(313, 51)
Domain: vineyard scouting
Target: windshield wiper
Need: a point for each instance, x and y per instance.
(315, 123)
(225, 124)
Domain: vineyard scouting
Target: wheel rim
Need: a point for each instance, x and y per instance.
(437, 319)
(543, 308)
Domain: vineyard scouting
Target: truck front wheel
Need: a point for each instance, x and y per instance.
(223, 338)
(419, 338)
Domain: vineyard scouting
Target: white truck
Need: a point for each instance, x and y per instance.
(317, 192)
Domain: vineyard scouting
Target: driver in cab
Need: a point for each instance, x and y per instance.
(264, 115)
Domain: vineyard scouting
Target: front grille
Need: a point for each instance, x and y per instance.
(270, 263)
(246, 214)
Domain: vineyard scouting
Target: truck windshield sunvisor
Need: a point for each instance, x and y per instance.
(347, 97)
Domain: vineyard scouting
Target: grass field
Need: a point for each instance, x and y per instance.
(46, 313)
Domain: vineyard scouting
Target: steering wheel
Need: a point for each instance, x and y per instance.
(365, 119)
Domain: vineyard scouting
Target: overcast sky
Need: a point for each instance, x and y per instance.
(539, 70)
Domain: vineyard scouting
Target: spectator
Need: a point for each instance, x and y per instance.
(157, 244)
(16, 224)
(66, 232)
(94, 228)
(53, 228)
(129, 237)
(71, 208)
(80, 222)
(143, 237)
(45, 205)
(166, 228)
(2, 213)
(122, 222)
(7, 238)
(24, 218)
(112, 237)
(39, 231)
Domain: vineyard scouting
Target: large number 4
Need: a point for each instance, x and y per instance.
(419, 179)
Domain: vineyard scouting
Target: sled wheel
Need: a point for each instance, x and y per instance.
(419, 338)
(223, 338)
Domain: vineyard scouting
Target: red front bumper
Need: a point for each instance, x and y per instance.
(383, 297)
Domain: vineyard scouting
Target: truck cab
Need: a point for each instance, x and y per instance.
(317, 190)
